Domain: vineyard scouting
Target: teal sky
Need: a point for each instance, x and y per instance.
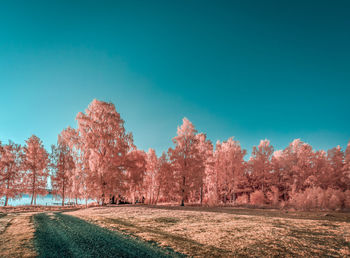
(251, 69)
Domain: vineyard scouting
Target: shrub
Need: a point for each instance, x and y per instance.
(273, 196)
(242, 199)
(257, 198)
(318, 198)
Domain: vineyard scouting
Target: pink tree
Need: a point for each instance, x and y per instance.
(260, 166)
(186, 159)
(295, 166)
(336, 161)
(105, 145)
(80, 173)
(206, 154)
(62, 164)
(164, 179)
(11, 156)
(36, 161)
(346, 173)
(229, 167)
(150, 183)
(136, 167)
(321, 171)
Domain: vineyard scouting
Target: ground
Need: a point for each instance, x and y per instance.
(197, 231)
(193, 231)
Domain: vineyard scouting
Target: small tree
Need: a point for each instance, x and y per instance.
(63, 166)
(260, 165)
(229, 167)
(150, 183)
(186, 159)
(164, 178)
(136, 166)
(36, 161)
(11, 156)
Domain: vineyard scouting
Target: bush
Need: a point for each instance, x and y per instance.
(273, 196)
(318, 198)
(242, 199)
(257, 198)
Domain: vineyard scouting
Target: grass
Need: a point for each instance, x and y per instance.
(16, 236)
(228, 231)
(167, 220)
(131, 231)
(59, 235)
(34, 208)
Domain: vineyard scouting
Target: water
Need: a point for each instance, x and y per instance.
(47, 200)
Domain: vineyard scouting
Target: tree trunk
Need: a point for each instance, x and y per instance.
(63, 195)
(33, 188)
(103, 200)
(201, 197)
(7, 187)
(183, 191)
(157, 195)
(62, 199)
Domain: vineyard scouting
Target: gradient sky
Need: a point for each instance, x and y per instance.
(250, 69)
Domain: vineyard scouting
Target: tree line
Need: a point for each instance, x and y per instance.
(98, 160)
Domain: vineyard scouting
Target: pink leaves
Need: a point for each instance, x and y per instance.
(36, 161)
(99, 160)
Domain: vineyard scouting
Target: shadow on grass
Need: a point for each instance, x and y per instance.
(62, 235)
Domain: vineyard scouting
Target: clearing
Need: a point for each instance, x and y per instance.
(155, 231)
(227, 231)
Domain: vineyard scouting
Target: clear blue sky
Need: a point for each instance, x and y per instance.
(251, 69)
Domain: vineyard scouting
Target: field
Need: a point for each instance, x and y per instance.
(192, 231)
(199, 231)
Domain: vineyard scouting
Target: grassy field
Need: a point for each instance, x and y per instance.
(193, 231)
(197, 231)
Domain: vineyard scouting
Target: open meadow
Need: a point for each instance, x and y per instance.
(173, 231)
(227, 231)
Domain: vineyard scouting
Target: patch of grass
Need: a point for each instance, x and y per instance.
(167, 220)
(68, 236)
(2, 214)
(119, 221)
(16, 236)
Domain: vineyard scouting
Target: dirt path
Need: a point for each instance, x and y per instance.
(59, 235)
(16, 236)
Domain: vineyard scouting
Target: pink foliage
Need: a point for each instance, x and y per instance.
(314, 198)
(273, 196)
(11, 158)
(187, 161)
(242, 199)
(36, 161)
(257, 198)
(98, 160)
(347, 199)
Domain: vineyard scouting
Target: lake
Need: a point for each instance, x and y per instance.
(47, 200)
